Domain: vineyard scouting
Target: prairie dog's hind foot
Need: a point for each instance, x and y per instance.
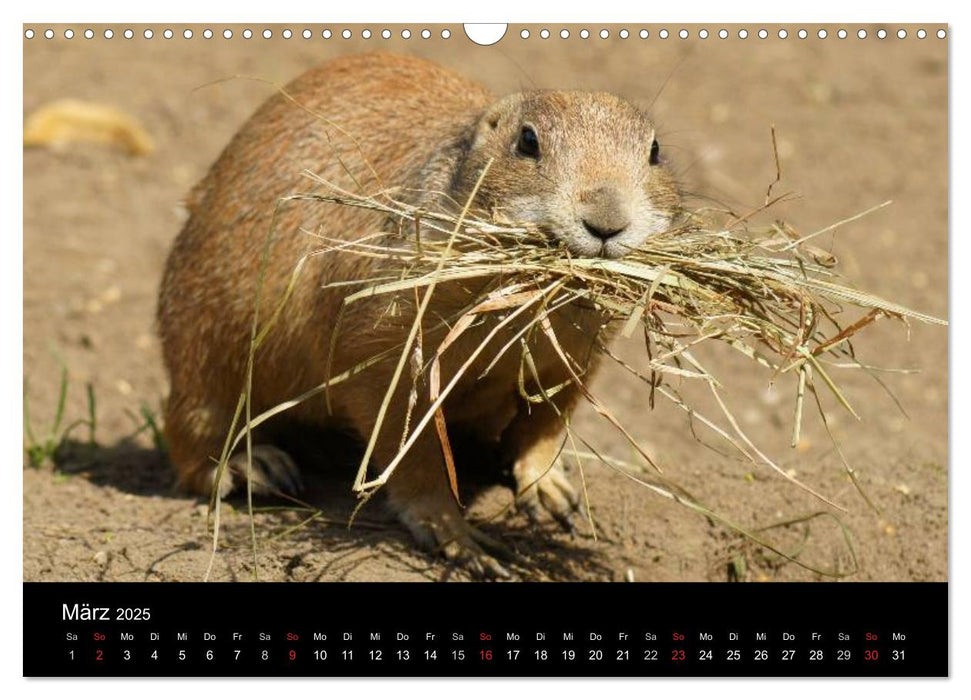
(273, 472)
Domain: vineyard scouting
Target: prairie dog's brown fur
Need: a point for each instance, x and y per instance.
(588, 173)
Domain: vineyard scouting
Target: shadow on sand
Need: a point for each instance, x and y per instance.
(328, 503)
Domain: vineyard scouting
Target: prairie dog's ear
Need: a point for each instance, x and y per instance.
(496, 116)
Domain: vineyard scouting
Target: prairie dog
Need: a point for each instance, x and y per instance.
(583, 167)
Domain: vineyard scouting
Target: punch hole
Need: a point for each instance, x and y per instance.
(129, 34)
(247, 34)
(564, 33)
(763, 34)
(168, 34)
(881, 34)
(703, 33)
(921, 34)
(385, 33)
(68, 33)
(861, 34)
(29, 33)
(941, 34)
(783, 34)
(821, 33)
(544, 34)
(267, 34)
(683, 34)
(841, 33)
(287, 34)
(49, 34)
(584, 34)
(901, 33)
(485, 34)
(109, 33)
(624, 34)
(802, 34)
(306, 34)
(643, 34)
(366, 34)
(346, 34)
(664, 34)
(446, 33)
(187, 34)
(722, 33)
(524, 34)
(405, 33)
(89, 34)
(227, 34)
(426, 34)
(743, 33)
(207, 34)
(148, 34)
(604, 34)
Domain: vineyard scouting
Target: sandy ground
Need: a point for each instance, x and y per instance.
(859, 122)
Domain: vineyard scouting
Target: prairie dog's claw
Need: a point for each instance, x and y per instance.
(440, 528)
(273, 471)
(548, 491)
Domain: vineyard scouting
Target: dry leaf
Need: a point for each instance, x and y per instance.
(60, 123)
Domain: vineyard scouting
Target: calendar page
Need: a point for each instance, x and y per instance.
(648, 322)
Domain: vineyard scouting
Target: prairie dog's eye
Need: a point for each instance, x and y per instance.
(528, 143)
(655, 153)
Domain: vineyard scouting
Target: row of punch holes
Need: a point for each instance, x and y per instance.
(524, 33)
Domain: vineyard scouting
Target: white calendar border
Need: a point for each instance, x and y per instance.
(437, 11)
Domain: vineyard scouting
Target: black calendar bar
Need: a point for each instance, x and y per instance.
(521, 629)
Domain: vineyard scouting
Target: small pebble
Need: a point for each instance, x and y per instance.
(822, 92)
(752, 416)
(771, 396)
(183, 175)
(110, 295)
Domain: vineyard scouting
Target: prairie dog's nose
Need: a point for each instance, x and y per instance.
(604, 211)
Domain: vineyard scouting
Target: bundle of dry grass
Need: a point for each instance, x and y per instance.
(768, 294)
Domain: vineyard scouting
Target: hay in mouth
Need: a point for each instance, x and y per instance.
(766, 293)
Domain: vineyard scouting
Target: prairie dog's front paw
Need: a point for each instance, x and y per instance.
(541, 487)
(438, 526)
